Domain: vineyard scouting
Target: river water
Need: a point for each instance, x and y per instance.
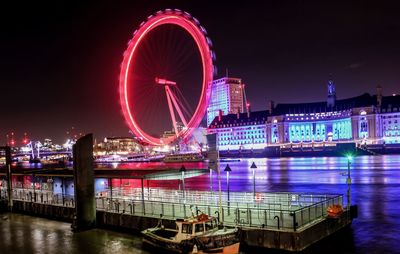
(375, 189)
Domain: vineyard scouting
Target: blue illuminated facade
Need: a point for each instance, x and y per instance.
(226, 97)
(364, 119)
(241, 131)
(320, 131)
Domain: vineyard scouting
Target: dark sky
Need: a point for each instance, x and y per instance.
(60, 62)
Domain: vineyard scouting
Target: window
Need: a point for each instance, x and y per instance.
(187, 228)
(199, 228)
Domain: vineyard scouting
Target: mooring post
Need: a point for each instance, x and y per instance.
(85, 205)
(9, 177)
(293, 214)
(110, 186)
(277, 218)
(63, 190)
(142, 182)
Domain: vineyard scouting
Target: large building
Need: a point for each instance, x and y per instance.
(226, 95)
(118, 145)
(365, 119)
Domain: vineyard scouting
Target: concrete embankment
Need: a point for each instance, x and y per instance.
(294, 241)
(44, 210)
(129, 222)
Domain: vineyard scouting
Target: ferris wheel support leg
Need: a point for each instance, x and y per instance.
(173, 98)
(171, 110)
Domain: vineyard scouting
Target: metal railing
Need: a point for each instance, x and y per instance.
(3, 193)
(43, 197)
(291, 214)
(278, 211)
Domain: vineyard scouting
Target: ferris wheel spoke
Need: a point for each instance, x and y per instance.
(182, 101)
(182, 62)
(146, 55)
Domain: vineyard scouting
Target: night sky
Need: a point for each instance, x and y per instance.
(60, 62)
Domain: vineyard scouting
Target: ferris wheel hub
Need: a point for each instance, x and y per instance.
(162, 81)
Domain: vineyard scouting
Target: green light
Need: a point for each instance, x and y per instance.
(349, 157)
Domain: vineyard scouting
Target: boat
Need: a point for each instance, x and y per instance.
(200, 234)
(184, 157)
(35, 160)
(128, 158)
(229, 160)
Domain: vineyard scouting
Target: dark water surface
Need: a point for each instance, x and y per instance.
(375, 189)
(26, 234)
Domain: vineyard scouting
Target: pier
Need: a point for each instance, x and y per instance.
(290, 221)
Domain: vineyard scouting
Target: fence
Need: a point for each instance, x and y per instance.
(43, 197)
(282, 211)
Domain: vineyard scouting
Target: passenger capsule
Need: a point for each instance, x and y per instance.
(196, 21)
(209, 41)
(203, 29)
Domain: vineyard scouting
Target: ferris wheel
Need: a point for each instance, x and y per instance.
(165, 77)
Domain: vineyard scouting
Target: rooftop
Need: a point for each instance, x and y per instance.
(364, 100)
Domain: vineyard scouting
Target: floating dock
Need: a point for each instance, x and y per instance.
(288, 221)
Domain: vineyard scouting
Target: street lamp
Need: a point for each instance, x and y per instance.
(228, 171)
(210, 179)
(348, 181)
(253, 167)
(183, 170)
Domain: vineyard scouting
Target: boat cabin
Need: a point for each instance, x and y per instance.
(189, 228)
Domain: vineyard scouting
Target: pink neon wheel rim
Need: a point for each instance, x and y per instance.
(198, 34)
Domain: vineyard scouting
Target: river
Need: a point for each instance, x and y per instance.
(375, 189)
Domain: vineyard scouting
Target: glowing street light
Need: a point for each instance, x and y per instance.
(348, 181)
(211, 179)
(253, 167)
(228, 171)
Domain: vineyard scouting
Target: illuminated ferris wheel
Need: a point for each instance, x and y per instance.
(165, 76)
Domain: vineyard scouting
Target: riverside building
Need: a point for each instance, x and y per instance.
(227, 95)
(365, 119)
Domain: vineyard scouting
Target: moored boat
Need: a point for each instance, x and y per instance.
(199, 234)
(184, 157)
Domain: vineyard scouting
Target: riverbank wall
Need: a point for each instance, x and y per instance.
(337, 150)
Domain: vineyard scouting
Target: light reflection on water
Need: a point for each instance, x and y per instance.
(25, 234)
(375, 189)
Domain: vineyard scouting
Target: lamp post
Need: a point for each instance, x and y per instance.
(253, 167)
(183, 170)
(211, 179)
(348, 181)
(228, 171)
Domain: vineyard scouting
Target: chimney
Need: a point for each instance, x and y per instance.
(331, 99)
(248, 110)
(379, 96)
(220, 114)
(270, 106)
